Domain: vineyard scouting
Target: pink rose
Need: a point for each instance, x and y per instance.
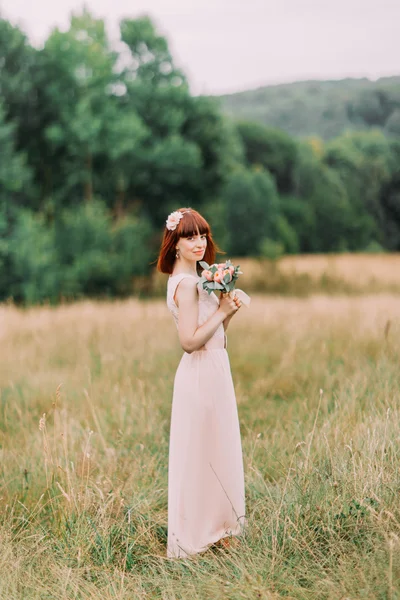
(173, 220)
(207, 274)
(221, 265)
(231, 269)
(218, 276)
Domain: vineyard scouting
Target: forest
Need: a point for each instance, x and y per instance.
(101, 140)
(322, 108)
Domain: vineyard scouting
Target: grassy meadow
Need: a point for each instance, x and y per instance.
(302, 275)
(86, 396)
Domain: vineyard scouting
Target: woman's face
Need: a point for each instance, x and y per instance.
(192, 248)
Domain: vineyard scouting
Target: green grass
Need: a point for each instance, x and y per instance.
(83, 502)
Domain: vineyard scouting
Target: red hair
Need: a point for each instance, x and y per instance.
(191, 223)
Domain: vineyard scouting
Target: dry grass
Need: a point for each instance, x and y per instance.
(362, 271)
(83, 495)
(314, 273)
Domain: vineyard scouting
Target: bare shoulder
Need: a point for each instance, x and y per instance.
(188, 283)
(186, 289)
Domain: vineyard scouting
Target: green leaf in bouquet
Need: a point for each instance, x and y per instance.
(227, 278)
(218, 286)
(213, 269)
(211, 285)
(203, 264)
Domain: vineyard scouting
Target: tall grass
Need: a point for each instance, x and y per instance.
(303, 275)
(85, 408)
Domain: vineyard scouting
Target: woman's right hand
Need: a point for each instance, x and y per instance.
(228, 305)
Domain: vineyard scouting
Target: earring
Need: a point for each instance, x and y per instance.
(177, 253)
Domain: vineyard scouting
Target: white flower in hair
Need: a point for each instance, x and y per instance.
(173, 219)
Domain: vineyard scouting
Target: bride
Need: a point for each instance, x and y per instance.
(206, 494)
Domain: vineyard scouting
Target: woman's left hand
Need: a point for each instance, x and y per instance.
(227, 320)
(237, 302)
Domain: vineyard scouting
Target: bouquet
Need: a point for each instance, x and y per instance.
(223, 276)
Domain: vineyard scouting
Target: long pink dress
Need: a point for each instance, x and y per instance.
(206, 494)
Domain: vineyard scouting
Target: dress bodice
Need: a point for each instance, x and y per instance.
(208, 305)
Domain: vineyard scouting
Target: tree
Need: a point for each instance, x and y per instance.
(363, 161)
(271, 148)
(390, 200)
(251, 211)
(82, 67)
(392, 125)
(15, 179)
(16, 71)
(150, 59)
(322, 204)
(372, 107)
(18, 109)
(190, 147)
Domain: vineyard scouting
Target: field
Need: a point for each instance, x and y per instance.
(85, 406)
(315, 273)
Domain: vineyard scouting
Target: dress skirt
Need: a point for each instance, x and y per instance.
(206, 495)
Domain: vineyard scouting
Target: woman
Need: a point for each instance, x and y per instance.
(206, 500)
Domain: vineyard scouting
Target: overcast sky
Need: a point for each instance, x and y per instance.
(229, 45)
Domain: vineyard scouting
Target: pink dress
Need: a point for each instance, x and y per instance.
(206, 494)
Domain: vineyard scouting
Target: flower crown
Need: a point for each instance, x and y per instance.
(174, 218)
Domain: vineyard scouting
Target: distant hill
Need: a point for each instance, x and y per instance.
(322, 108)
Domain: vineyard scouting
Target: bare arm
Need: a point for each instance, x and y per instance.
(191, 336)
(227, 321)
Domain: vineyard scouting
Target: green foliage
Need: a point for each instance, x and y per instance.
(252, 209)
(374, 248)
(96, 123)
(215, 212)
(288, 236)
(81, 253)
(390, 200)
(272, 149)
(15, 182)
(35, 272)
(301, 218)
(323, 108)
(151, 60)
(78, 133)
(83, 238)
(100, 142)
(189, 147)
(227, 283)
(98, 258)
(271, 249)
(15, 175)
(328, 209)
(372, 107)
(365, 164)
(392, 125)
(131, 251)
